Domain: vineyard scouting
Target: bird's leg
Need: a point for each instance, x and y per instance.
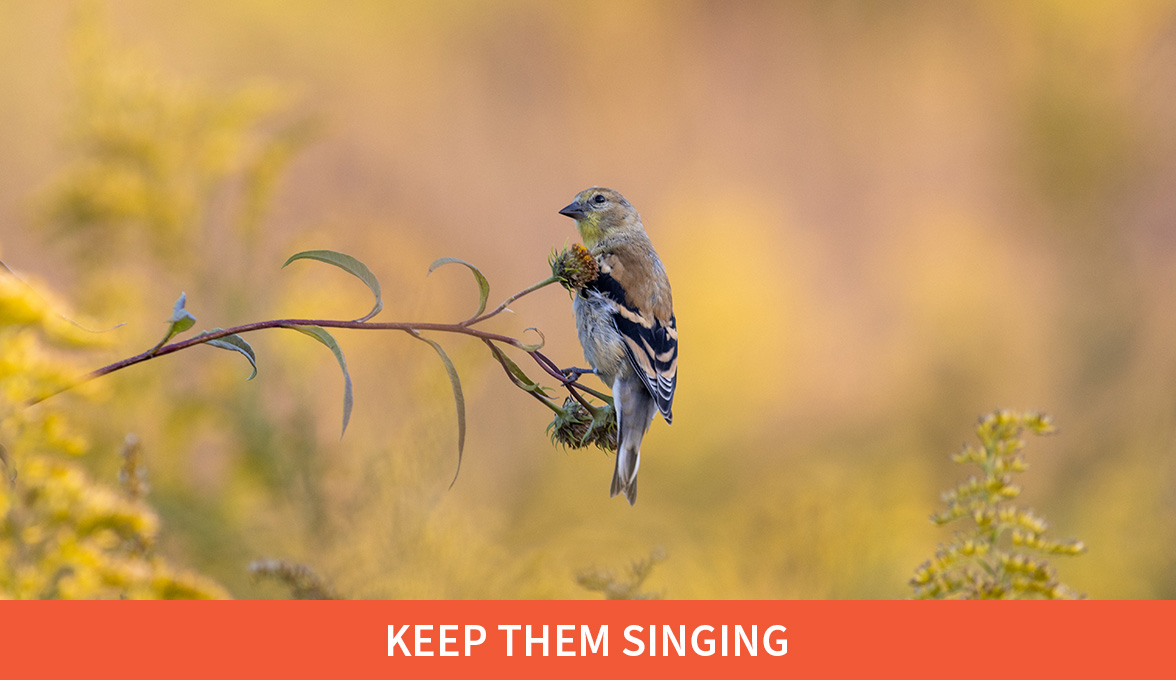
(573, 374)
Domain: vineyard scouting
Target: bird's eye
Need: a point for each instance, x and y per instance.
(598, 199)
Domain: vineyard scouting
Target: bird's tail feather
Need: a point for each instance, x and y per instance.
(635, 409)
(625, 474)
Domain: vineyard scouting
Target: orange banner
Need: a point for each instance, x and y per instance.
(582, 639)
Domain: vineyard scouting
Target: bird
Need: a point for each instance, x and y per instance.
(625, 322)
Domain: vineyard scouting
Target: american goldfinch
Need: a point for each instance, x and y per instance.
(625, 320)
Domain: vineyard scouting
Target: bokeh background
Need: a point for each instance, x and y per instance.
(880, 220)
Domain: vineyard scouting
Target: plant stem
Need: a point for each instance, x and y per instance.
(281, 323)
(463, 328)
(580, 398)
(500, 308)
(500, 357)
(555, 372)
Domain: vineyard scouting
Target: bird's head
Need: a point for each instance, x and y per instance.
(600, 212)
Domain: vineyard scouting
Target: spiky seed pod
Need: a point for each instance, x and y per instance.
(571, 425)
(575, 427)
(604, 434)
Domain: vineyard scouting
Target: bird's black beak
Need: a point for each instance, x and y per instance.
(573, 210)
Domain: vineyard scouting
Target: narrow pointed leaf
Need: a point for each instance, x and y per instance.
(180, 321)
(483, 284)
(5, 464)
(458, 398)
(531, 348)
(234, 343)
(327, 339)
(517, 376)
(350, 265)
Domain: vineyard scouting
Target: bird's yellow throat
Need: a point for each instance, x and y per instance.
(590, 231)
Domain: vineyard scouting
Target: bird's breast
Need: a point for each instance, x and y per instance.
(603, 345)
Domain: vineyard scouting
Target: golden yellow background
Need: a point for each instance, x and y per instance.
(880, 220)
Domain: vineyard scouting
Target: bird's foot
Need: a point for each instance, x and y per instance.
(573, 374)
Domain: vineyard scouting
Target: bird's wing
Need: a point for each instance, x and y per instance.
(650, 343)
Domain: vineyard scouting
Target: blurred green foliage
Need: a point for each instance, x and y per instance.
(613, 587)
(63, 534)
(303, 583)
(1001, 555)
(152, 153)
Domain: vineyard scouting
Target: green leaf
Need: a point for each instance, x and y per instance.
(180, 321)
(483, 284)
(458, 398)
(532, 348)
(327, 339)
(234, 343)
(517, 376)
(5, 463)
(350, 265)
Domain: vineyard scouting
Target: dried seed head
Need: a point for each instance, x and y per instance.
(575, 427)
(571, 425)
(575, 267)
